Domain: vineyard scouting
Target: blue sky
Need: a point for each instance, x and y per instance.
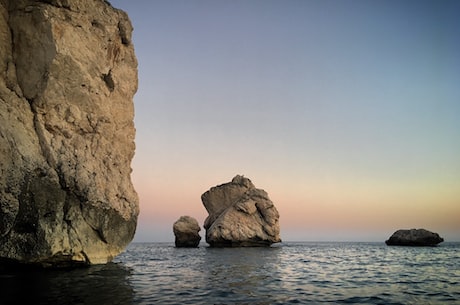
(345, 112)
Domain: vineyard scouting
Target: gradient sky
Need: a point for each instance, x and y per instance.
(346, 112)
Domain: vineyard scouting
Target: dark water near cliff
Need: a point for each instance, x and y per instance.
(289, 273)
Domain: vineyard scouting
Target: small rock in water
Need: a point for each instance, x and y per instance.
(186, 230)
(414, 237)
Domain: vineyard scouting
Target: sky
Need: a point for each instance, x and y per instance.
(346, 112)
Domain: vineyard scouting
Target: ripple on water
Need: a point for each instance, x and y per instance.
(294, 273)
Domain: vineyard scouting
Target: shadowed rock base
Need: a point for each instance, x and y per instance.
(235, 244)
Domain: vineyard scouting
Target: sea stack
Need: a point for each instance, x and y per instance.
(240, 215)
(186, 231)
(414, 237)
(68, 74)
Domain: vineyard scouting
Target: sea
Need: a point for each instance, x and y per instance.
(285, 273)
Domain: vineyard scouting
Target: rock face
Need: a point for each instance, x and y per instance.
(414, 237)
(240, 215)
(68, 74)
(186, 230)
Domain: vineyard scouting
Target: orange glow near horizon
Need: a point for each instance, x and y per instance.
(372, 210)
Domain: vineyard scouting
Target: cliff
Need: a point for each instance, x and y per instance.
(68, 74)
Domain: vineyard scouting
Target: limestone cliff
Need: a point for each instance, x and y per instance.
(68, 74)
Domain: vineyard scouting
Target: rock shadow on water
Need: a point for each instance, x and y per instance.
(106, 284)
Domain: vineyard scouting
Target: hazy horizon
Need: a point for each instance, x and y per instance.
(345, 112)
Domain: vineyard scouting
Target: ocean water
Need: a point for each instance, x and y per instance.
(286, 273)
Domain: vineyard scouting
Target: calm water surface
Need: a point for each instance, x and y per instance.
(288, 273)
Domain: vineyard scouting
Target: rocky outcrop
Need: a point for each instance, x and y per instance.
(68, 74)
(414, 237)
(186, 231)
(240, 215)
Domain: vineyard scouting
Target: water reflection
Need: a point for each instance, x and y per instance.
(103, 285)
(244, 275)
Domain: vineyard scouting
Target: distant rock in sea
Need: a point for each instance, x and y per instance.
(68, 74)
(414, 237)
(186, 230)
(240, 215)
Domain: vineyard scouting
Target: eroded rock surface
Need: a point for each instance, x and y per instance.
(186, 231)
(414, 237)
(68, 74)
(240, 215)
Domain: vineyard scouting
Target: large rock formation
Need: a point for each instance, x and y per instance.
(240, 215)
(186, 231)
(414, 237)
(68, 74)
